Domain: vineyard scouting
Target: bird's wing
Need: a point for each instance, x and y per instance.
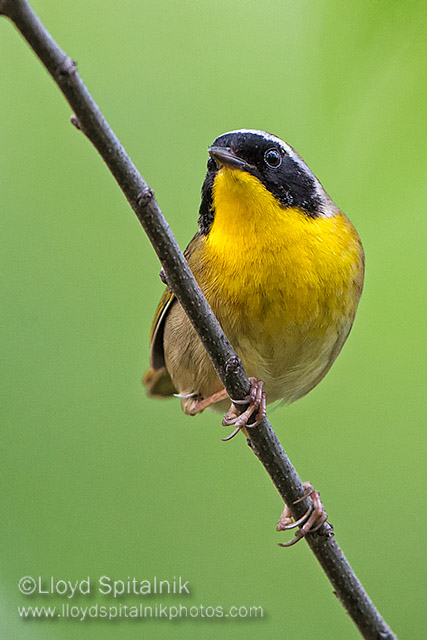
(157, 355)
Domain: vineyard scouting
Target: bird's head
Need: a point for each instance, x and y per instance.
(259, 171)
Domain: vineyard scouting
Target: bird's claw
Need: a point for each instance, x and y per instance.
(257, 400)
(310, 522)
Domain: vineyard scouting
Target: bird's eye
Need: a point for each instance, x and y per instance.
(211, 165)
(273, 158)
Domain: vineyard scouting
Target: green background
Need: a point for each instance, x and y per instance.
(99, 480)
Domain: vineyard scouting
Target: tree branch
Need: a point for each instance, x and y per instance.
(263, 440)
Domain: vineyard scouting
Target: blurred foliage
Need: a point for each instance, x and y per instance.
(99, 480)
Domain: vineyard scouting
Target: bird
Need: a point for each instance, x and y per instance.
(282, 268)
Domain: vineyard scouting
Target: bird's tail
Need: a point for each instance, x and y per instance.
(158, 383)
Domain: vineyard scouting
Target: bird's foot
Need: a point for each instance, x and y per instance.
(200, 404)
(257, 403)
(311, 521)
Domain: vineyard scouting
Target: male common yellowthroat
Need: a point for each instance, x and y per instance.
(282, 268)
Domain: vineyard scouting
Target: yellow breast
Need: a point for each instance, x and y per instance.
(284, 286)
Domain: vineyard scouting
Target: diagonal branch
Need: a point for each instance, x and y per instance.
(263, 440)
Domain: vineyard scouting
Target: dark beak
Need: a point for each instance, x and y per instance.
(225, 156)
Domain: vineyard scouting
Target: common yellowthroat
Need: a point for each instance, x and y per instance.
(282, 268)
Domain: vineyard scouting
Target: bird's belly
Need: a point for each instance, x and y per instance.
(288, 322)
(289, 337)
(289, 348)
(295, 362)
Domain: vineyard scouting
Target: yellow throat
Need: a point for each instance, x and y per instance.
(278, 260)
